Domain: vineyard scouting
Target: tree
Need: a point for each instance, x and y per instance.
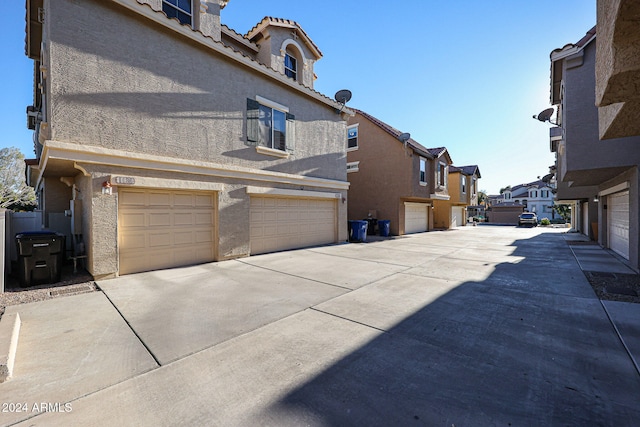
(14, 192)
(503, 189)
(482, 197)
(563, 210)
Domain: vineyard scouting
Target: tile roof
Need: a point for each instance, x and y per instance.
(535, 184)
(436, 152)
(467, 170)
(581, 43)
(396, 133)
(286, 23)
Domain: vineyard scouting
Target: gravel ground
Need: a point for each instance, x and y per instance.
(71, 284)
(615, 286)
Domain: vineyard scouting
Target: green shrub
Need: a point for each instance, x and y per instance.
(545, 221)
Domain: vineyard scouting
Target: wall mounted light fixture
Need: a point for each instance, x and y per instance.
(106, 188)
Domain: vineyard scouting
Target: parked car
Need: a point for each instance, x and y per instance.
(528, 218)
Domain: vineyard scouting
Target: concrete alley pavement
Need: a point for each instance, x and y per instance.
(476, 326)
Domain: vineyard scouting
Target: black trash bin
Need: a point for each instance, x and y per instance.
(371, 225)
(40, 257)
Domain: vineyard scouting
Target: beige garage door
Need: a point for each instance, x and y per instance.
(163, 229)
(416, 217)
(457, 216)
(280, 223)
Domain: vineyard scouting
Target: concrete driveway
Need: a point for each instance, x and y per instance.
(476, 326)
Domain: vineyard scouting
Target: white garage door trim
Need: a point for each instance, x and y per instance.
(618, 223)
(457, 216)
(585, 219)
(283, 223)
(416, 217)
(159, 228)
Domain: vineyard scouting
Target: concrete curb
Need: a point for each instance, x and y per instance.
(9, 331)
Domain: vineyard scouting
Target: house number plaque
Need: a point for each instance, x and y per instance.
(124, 180)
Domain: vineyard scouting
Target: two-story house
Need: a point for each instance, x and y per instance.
(463, 193)
(392, 176)
(600, 178)
(171, 139)
(537, 197)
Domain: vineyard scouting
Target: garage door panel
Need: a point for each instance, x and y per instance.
(203, 236)
(134, 219)
(203, 218)
(133, 240)
(164, 229)
(183, 200)
(288, 223)
(131, 198)
(159, 199)
(160, 239)
(159, 219)
(203, 200)
(416, 217)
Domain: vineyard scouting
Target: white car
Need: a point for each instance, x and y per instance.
(528, 218)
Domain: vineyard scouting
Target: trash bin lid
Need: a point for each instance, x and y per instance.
(35, 234)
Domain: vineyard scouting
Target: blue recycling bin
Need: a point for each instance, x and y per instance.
(384, 227)
(357, 231)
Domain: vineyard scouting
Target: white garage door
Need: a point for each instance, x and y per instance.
(457, 216)
(618, 223)
(416, 217)
(163, 229)
(281, 223)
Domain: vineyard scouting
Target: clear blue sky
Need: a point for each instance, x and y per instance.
(464, 74)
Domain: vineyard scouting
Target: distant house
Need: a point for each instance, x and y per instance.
(174, 140)
(463, 193)
(391, 179)
(537, 196)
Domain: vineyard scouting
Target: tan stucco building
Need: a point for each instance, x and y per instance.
(393, 179)
(170, 139)
(463, 192)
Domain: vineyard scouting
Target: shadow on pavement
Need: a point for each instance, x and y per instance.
(528, 345)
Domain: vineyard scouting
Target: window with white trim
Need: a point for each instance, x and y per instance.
(180, 9)
(352, 138)
(270, 125)
(463, 184)
(442, 174)
(290, 66)
(353, 166)
(423, 170)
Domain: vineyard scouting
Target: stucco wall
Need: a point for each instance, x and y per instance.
(384, 176)
(584, 151)
(122, 82)
(56, 196)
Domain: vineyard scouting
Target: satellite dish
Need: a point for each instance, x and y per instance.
(545, 115)
(404, 137)
(343, 96)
